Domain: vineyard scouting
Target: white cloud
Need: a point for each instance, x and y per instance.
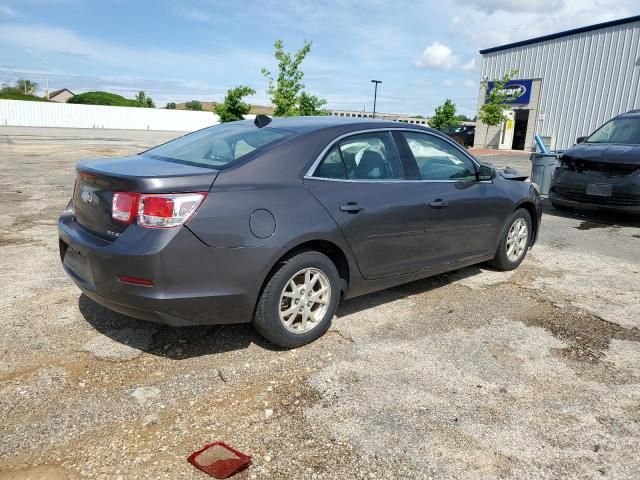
(489, 23)
(469, 83)
(437, 56)
(470, 65)
(7, 10)
(514, 6)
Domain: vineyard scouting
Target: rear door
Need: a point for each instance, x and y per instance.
(460, 212)
(360, 181)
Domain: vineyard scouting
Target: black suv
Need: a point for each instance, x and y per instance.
(603, 170)
(463, 134)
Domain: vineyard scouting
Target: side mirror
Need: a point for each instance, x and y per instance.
(581, 139)
(486, 173)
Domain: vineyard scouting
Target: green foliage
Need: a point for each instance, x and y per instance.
(10, 92)
(233, 108)
(143, 101)
(193, 105)
(491, 113)
(445, 116)
(21, 90)
(102, 98)
(171, 106)
(464, 118)
(26, 86)
(285, 90)
(309, 105)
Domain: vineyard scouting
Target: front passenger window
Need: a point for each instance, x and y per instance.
(437, 160)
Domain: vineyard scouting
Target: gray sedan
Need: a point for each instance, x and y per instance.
(274, 221)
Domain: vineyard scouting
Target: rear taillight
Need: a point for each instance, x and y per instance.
(161, 210)
(125, 206)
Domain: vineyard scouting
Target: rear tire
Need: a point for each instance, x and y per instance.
(514, 241)
(299, 300)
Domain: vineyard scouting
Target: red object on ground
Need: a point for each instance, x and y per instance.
(219, 460)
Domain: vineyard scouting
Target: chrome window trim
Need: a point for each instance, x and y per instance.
(316, 162)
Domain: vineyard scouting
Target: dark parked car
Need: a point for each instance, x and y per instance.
(273, 223)
(603, 170)
(463, 134)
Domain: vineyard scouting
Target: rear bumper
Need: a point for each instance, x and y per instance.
(193, 284)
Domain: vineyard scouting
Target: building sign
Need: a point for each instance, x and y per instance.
(521, 88)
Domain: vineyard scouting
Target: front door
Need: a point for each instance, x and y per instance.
(361, 183)
(506, 133)
(460, 212)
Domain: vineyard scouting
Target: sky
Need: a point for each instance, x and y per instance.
(423, 51)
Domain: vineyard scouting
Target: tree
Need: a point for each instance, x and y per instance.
(285, 89)
(193, 105)
(492, 112)
(445, 116)
(171, 106)
(233, 108)
(143, 101)
(103, 98)
(309, 105)
(464, 118)
(26, 86)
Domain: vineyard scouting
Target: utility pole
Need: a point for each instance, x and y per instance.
(375, 95)
(46, 70)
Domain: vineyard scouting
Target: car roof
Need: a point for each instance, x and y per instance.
(631, 113)
(310, 124)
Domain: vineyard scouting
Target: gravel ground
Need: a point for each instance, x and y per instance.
(477, 374)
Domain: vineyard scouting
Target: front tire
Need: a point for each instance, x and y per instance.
(299, 300)
(514, 241)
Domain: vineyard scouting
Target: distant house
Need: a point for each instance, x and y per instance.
(61, 96)
(209, 106)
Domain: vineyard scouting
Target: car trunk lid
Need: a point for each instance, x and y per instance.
(97, 180)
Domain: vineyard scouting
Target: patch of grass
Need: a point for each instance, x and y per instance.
(13, 95)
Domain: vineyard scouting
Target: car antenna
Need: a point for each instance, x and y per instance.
(262, 121)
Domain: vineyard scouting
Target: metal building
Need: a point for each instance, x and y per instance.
(569, 83)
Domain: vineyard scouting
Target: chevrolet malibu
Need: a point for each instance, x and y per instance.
(275, 221)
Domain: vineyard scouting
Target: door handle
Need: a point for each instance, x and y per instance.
(351, 207)
(439, 203)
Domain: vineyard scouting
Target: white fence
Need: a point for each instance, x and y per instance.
(66, 115)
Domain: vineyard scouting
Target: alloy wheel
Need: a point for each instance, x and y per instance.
(304, 300)
(517, 239)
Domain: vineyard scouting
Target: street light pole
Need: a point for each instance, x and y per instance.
(375, 95)
(46, 70)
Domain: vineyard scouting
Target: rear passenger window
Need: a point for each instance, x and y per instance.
(437, 159)
(331, 166)
(371, 156)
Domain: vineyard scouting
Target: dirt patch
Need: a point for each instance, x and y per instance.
(588, 336)
(586, 225)
(50, 472)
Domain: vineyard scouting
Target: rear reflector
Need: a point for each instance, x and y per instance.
(162, 210)
(135, 280)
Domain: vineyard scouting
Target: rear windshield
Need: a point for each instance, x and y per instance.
(217, 146)
(618, 130)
